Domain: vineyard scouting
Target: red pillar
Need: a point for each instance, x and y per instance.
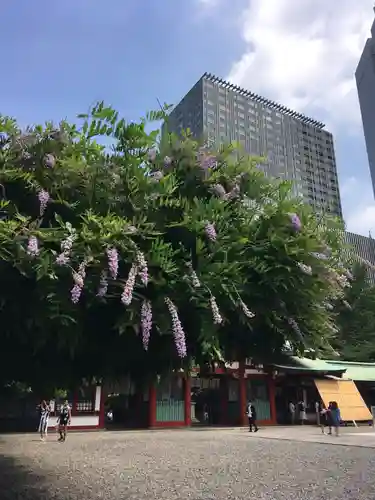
(152, 406)
(224, 400)
(101, 408)
(242, 382)
(187, 399)
(271, 392)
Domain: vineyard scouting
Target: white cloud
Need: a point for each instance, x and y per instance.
(359, 206)
(304, 53)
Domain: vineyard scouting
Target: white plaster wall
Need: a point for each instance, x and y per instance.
(78, 421)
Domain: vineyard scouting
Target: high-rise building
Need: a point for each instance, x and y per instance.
(363, 251)
(365, 78)
(296, 147)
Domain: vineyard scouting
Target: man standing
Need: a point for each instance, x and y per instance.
(252, 417)
(64, 420)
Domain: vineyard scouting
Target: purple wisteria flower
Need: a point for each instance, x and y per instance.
(127, 294)
(32, 247)
(210, 231)
(151, 155)
(79, 281)
(75, 293)
(112, 255)
(146, 322)
(178, 332)
(219, 190)
(156, 176)
(66, 247)
(43, 197)
(167, 161)
(103, 286)
(208, 161)
(62, 259)
(304, 268)
(49, 160)
(295, 222)
(142, 267)
(215, 311)
(194, 279)
(246, 310)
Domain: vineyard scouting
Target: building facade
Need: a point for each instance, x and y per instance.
(295, 147)
(363, 250)
(365, 78)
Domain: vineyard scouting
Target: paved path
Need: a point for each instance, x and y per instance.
(187, 464)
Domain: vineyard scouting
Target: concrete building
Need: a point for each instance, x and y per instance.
(296, 147)
(365, 78)
(363, 250)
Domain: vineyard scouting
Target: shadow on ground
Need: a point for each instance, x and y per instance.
(16, 482)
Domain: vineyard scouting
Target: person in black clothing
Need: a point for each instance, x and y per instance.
(63, 420)
(252, 417)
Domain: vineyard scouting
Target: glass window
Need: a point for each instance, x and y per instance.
(170, 388)
(85, 401)
(257, 390)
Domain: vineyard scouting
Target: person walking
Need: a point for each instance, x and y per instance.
(64, 420)
(302, 412)
(329, 421)
(252, 417)
(45, 411)
(324, 418)
(292, 413)
(335, 417)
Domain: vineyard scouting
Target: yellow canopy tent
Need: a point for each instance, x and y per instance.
(352, 407)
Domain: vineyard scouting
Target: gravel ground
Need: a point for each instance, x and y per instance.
(225, 464)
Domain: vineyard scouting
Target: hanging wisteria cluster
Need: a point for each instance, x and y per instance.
(146, 322)
(66, 248)
(79, 281)
(246, 310)
(215, 311)
(304, 268)
(210, 231)
(43, 197)
(178, 332)
(193, 276)
(32, 247)
(295, 222)
(127, 294)
(103, 285)
(112, 255)
(142, 267)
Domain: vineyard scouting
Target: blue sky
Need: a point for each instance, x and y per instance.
(60, 57)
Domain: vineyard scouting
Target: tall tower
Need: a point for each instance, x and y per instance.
(297, 148)
(365, 78)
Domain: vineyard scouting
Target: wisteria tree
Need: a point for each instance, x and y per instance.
(141, 257)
